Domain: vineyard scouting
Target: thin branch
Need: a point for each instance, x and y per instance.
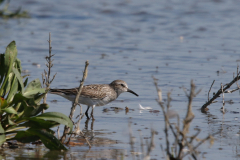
(220, 91)
(75, 103)
(210, 89)
(222, 98)
(79, 90)
(165, 116)
(46, 76)
(151, 146)
(237, 75)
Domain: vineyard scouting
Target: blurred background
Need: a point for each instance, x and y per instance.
(173, 40)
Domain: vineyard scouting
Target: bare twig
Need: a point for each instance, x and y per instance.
(75, 103)
(151, 146)
(189, 116)
(165, 117)
(131, 139)
(159, 92)
(237, 76)
(79, 90)
(220, 91)
(77, 130)
(210, 89)
(181, 139)
(222, 98)
(46, 76)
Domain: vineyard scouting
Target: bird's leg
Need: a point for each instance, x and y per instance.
(92, 112)
(86, 113)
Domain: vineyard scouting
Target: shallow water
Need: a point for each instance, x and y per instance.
(174, 41)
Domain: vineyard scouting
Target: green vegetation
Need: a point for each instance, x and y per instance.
(5, 13)
(20, 108)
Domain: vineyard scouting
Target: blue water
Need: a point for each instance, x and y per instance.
(174, 41)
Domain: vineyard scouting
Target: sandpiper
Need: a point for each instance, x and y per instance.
(95, 94)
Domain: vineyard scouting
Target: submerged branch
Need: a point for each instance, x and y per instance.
(220, 91)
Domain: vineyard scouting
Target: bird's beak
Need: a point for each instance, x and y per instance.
(129, 90)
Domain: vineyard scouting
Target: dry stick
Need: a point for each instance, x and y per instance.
(177, 134)
(151, 146)
(76, 99)
(79, 90)
(220, 92)
(77, 128)
(237, 79)
(237, 76)
(167, 123)
(231, 91)
(186, 144)
(165, 116)
(210, 89)
(222, 97)
(142, 145)
(187, 120)
(46, 80)
(189, 144)
(131, 139)
(189, 117)
(82, 136)
(201, 142)
(159, 92)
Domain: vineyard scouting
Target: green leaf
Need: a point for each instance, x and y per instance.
(9, 58)
(33, 88)
(10, 55)
(56, 117)
(38, 97)
(7, 83)
(2, 139)
(10, 122)
(26, 137)
(49, 140)
(18, 65)
(39, 124)
(1, 129)
(18, 98)
(2, 66)
(10, 110)
(32, 110)
(19, 78)
(25, 82)
(33, 85)
(13, 90)
(45, 106)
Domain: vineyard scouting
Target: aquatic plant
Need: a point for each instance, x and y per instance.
(5, 13)
(20, 106)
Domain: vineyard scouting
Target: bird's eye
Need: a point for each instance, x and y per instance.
(122, 85)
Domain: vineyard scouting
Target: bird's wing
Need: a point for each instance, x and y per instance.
(94, 91)
(72, 91)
